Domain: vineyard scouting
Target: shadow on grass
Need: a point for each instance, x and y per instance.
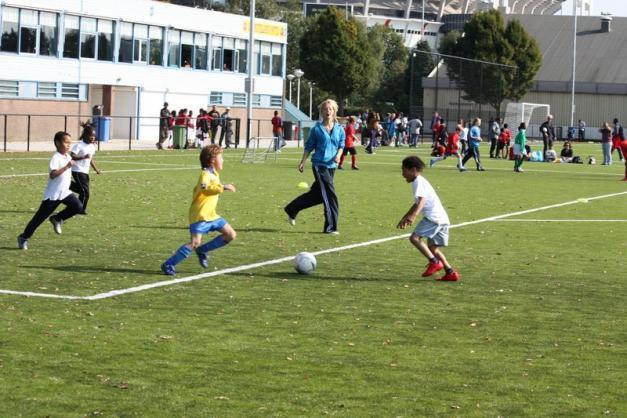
(186, 228)
(318, 276)
(94, 269)
(17, 211)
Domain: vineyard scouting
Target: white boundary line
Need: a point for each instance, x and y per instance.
(561, 220)
(237, 269)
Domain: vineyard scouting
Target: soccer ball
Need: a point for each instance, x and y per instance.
(305, 263)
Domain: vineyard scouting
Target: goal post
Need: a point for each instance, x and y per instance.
(530, 113)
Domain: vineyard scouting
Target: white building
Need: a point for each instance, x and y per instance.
(65, 56)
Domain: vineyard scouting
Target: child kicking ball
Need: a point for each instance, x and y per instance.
(434, 225)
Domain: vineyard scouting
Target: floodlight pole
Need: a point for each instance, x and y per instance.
(250, 85)
(572, 92)
(290, 77)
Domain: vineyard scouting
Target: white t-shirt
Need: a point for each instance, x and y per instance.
(58, 188)
(433, 209)
(79, 149)
(463, 135)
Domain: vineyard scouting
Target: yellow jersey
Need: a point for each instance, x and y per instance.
(205, 198)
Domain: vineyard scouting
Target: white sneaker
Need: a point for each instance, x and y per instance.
(56, 225)
(291, 220)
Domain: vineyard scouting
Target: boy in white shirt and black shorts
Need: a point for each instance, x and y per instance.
(434, 226)
(83, 153)
(57, 192)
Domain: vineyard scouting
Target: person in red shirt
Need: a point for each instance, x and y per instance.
(623, 146)
(503, 142)
(349, 144)
(452, 149)
(277, 130)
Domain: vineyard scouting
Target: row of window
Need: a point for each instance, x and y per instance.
(37, 33)
(239, 99)
(42, 90)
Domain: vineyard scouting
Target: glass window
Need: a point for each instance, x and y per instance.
(9, 88)
(256, 57)
(277, 60)
(174, 54)
(228, 47)
(187, 49)
(140, 43)
(105, 40)
(216, 47)
(70, 91)
(239, 99)
(215, 98)
(264, 51)
(48, 34)
(46, 89)
(70, 45)
(156, 45)
(200, 51)
(256, 99)
(28, 31)
(276, 101)
(88, 37)
(126, 42)
(242, 55)
(8, 43)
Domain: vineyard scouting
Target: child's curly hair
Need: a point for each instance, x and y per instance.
(209, 154)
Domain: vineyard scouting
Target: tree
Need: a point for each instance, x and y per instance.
(264, 9)
(421, 65)
(335, 52)
(486, 38)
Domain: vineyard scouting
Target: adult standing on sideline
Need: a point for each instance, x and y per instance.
(326, 139)
(582, 130)
(474, 139)
(606, 143)
(164, 119)
(277, 130)
(494, 130)
(215, 122)
(225, 121)
(435, 122)
(548, 134)
(617, 137)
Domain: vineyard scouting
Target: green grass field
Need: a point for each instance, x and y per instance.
(536, 327)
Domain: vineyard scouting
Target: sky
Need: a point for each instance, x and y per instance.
(615, 7)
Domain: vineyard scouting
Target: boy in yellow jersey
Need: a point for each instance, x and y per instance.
(202, 213)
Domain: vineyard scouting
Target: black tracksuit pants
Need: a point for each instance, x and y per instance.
(80, 185)
(322, 191)
(47, 207)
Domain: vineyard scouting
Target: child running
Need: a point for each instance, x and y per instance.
(202, 213)
(519, 147)
(349, 144)
(83, 153)
(452, 149)
(57, 192)
(434, 226)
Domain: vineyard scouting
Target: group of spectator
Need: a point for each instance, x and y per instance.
(199, 129)
(395, 128)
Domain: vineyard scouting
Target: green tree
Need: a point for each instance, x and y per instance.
(486, 38)
(334, 51)
(264, 9)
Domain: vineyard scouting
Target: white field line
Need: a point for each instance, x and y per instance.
(245, 267)
(561, 220)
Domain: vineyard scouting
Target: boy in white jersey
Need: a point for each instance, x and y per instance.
(57, 192)
(83, 153)
(434, 226)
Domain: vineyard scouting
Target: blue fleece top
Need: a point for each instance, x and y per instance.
(325, 145)
(475, 132)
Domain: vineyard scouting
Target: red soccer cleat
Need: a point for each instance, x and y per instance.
(433, 268)
(450, 277)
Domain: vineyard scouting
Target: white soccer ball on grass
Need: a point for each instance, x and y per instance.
(305, 263)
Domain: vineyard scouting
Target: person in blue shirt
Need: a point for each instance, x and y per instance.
(326, 141)
(474, 139)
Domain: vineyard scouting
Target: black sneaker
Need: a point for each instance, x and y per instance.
(56, 225)
(22, 243)
(203, 260)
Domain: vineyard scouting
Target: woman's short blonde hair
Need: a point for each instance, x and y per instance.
(333, 104)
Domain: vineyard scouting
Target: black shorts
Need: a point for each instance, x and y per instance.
(349, 150)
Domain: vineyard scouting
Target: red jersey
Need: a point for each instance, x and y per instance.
(452, 143)
(350, 136)
(505, 136)
(623, 146)
(276, 125)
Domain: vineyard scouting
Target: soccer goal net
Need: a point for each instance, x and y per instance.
(258, 150)
(530, 113)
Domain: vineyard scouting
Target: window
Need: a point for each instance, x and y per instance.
(156, 45)
(125, 54)
(28, 31)
(88, 37)
(187, 49)
(70, 91)
(277, 60)
(105, 40)
(216, 59)
(276, 101)
(70, 46)
(47, 90)
(240, 44)
(174, 54)
(9, 88)
(200, 51)
(215, 98)
(239, 99)
(48, 34)
(140, 43)
(265, 58)
(228, 52)
(256, 99)
(8, 42)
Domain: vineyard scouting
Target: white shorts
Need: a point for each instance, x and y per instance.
(435, 233)
(518, 151)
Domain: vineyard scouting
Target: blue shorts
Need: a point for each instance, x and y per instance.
(204, 227)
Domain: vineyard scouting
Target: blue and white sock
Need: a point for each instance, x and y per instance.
(214, 244)
(181, 254)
